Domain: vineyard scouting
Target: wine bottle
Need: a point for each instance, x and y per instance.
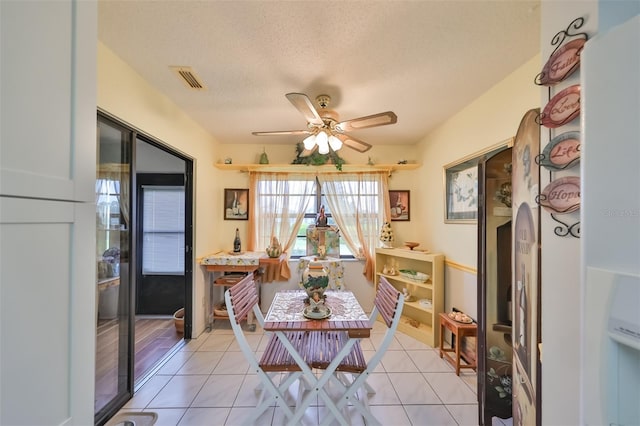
(236, 242)
(234, 206)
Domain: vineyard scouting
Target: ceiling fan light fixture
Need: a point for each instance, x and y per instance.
(335, 143)
(309, 142)
(323, 128)
(322, 140)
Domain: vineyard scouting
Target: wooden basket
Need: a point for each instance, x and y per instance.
(219, 311)
(178, 320)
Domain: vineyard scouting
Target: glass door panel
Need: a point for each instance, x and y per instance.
(114, 326)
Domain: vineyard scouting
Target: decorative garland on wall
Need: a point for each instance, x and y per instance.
(317, 159)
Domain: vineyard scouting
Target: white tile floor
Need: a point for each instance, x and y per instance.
(206, 383)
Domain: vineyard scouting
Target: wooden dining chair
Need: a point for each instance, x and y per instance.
(241, 299)
(388, 305)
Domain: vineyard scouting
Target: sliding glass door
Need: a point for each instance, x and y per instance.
(113, 379)
(144, 273)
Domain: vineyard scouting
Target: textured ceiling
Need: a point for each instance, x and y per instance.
(424, 60)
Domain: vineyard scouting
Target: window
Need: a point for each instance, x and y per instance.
(302, 196)
(163, 230)
(286, 204)
(319, 199)
(280, 215)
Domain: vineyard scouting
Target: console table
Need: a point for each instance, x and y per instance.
(458, 331)
(231, 268)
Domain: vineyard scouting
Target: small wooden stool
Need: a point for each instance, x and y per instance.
(458, 331)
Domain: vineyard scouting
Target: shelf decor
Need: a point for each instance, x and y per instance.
(503, 194)
(386, 235)
(317, 159)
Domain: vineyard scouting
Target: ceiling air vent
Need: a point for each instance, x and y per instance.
(189, 77)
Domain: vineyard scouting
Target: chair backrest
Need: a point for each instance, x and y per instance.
(388, 304)
(241, 298)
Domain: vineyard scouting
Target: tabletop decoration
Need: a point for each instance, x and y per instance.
(386, 235)
(275, 249)
(460, 317)
(315, 280)
(334, 267)
(411, 244)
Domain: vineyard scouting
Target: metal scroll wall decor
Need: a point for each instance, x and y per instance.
(562, 195)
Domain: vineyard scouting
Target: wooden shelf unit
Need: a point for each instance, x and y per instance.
(418, 321)
(325, 168)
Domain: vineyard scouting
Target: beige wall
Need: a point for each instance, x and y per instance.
(125, 95)
(492, 118)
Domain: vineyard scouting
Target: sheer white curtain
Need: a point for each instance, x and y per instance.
(279, 202)
(118, 173)
(359, 204)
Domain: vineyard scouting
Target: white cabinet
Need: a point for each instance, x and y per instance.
(47, 211)
(419, 319)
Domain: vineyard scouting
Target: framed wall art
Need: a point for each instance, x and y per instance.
(461, 185)
(236, 204)
(400, 205)
(461, 192)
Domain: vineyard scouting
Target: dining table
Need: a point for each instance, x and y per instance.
(289, 313)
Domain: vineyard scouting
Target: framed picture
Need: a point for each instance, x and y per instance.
(461, 191)
(236, 204)
(400, 205)
(461, 185)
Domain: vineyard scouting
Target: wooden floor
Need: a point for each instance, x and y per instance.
(154, 337)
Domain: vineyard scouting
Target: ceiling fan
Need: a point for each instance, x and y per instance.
(325, 130)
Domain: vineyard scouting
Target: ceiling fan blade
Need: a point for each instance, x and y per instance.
(304, 105)
(381, 119)
(353, 143)
(283, 132)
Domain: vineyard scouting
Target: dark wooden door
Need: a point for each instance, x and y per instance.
(162, 247)
(494, 291)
